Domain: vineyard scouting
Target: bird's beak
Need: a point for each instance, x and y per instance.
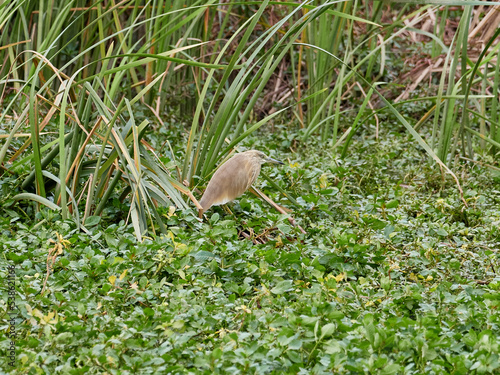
(274, 161)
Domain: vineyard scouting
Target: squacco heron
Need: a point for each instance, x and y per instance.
(233, 178)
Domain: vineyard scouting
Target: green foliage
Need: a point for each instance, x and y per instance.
(112, 112)
(391, 277)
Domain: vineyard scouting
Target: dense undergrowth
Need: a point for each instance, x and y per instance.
(393, 276)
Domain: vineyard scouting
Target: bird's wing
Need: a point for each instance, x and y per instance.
(230, 181)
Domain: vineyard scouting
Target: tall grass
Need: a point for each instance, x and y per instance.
(73, 77)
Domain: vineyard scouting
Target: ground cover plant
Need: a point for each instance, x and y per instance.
(383, 255)
(391, 277)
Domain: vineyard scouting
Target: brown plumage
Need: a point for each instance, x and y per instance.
(233, 178)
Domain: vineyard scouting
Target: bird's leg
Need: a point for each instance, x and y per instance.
(226, 208)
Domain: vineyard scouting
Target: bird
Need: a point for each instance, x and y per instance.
(233, 178)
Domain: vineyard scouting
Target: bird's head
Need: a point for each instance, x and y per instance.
(263, 158)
